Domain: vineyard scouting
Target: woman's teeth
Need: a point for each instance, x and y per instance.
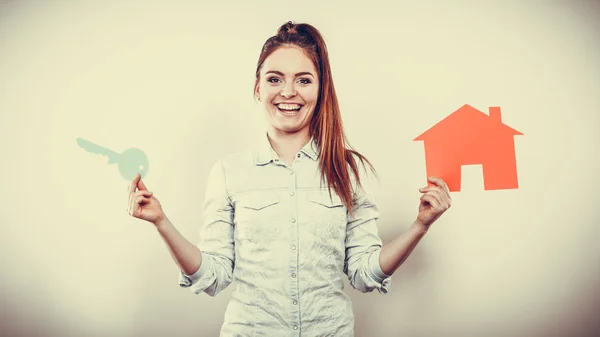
(289, 107)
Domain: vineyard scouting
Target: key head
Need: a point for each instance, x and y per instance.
(131, 162)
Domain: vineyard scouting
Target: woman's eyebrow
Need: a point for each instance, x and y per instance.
(297, 74)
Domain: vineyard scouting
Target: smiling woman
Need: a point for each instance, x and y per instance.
(288, 87)
(271, 225)
(293, 68)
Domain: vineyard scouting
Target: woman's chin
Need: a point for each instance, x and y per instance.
(289, 127)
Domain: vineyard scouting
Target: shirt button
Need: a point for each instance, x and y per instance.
(292, 193)
(291, 172)
(293, 220)
(293, 275)
(295, 302)
(298, 155)
(293, 247)
(295, 327)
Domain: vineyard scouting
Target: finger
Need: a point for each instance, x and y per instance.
(431, 200)
(137, 201)
(438, 190)
(439, 182)
(134, 183)
(441, 194)
(145, 193)
(133, 200)
(130, 203)
(131, 190)
(134, 207)
(437, 195)
(429, 188)
(129, 196)
(141, 185)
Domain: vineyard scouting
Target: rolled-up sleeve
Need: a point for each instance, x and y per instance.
(216, 239)
(363, 246)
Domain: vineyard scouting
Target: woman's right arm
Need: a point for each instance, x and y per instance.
(208, 266)
(144, 205)
(185, 254)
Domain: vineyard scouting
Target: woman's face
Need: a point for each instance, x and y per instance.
(288, 89)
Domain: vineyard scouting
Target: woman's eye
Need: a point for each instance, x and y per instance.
(278, 80)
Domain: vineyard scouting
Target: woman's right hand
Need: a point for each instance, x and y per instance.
(142, 203)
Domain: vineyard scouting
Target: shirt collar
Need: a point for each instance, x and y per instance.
(265, 153)
(311, 149)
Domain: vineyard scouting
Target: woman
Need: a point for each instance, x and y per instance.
(286, 221)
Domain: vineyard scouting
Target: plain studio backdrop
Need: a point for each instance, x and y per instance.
(175, 79)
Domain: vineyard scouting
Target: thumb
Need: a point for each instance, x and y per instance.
(142, 186)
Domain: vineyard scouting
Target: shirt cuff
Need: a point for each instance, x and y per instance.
(375, 267)
(187, 280)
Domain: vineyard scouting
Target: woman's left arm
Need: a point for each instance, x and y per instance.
(434, 202)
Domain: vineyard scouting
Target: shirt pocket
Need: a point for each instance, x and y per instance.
(326, 216)
(256, 214)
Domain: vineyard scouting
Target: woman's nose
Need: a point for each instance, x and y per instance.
(287, 94)
(288, 91)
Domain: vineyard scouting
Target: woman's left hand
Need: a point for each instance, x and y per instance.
(434, 202)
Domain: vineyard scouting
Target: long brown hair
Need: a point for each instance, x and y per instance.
(335, 153)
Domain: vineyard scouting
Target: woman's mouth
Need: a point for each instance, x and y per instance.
(288, 109)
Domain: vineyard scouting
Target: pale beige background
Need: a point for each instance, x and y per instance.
(175, 79)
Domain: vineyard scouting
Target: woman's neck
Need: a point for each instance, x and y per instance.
(286, 145)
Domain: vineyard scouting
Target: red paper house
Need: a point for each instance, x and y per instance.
(470, 137)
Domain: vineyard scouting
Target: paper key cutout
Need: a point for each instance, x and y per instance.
(130, 162)
(471, 137)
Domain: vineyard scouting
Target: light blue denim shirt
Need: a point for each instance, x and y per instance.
(275, 231)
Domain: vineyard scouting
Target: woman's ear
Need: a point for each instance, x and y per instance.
(257, 94)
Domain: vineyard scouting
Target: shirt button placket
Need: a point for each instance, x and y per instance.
(293, 267)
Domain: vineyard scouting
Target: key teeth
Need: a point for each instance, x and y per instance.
(97, 150)
(85, 144)
(82, 142)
